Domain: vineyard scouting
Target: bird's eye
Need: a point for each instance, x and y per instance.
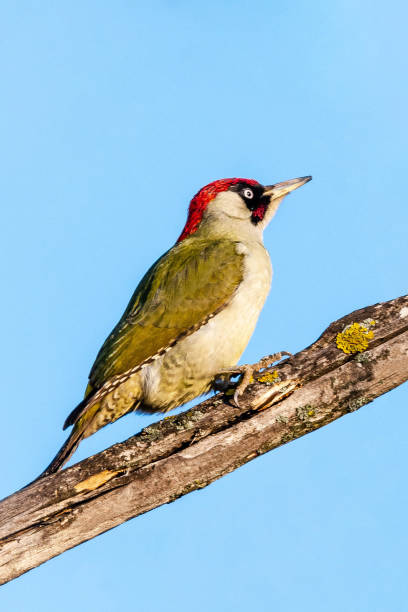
(248, 194)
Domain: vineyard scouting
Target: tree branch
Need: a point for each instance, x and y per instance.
(189, 451)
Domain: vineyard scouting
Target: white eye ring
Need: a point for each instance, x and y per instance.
(248, 194)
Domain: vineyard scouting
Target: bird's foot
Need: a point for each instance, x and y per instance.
(222, 381)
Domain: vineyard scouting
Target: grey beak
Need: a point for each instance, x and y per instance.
(281, 189)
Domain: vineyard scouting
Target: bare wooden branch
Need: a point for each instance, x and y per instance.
(189, 451)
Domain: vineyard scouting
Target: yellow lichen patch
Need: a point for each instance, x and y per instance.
(311, 412)
(93, 482)
(269, 377)
(355, 337)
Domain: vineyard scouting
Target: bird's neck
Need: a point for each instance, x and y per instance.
(219, 226)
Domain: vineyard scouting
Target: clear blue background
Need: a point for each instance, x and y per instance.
(112, 115)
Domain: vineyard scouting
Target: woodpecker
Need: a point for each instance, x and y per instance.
(192, 314)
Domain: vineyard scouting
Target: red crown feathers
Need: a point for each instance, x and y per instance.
(201, 200)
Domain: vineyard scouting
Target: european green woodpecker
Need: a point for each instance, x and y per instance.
(191, 316)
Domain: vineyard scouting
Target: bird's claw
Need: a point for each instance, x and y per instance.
(247, 372)
(236, 400)
(269, 360)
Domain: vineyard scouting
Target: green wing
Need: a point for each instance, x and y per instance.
(193, 280)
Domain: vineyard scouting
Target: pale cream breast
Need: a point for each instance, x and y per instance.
(189, 367)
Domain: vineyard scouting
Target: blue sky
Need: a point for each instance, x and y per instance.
(112, 115)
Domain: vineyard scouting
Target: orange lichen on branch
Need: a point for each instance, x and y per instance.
(269, 377)
(355, 337)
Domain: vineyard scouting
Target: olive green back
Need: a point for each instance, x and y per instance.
(193, 280)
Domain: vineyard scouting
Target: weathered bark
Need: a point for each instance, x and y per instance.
(190, 450)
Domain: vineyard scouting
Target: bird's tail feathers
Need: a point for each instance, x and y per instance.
(82, 407)
(75, 414)
(86, 419)
(81, 423)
